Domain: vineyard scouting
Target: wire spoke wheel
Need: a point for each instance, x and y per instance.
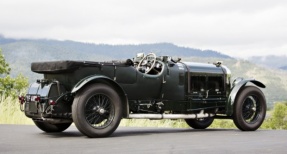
(249, 109)
(99, 111)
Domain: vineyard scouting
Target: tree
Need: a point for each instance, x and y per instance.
(10, 86)
(4, 67)
(279, 116)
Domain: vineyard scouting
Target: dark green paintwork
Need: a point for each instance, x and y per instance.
(235, 90)
(181, 87)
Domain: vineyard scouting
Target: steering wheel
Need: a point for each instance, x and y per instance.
(149, 63)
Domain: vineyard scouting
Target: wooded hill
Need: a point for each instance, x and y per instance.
(19, 53)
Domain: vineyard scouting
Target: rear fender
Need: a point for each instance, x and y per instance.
(103, 79)
(235, 91)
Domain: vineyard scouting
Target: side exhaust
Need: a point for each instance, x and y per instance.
(170, 116)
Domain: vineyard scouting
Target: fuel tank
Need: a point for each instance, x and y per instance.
(45, 99)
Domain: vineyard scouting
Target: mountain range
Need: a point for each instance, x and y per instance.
(20, 53)
(66, 49)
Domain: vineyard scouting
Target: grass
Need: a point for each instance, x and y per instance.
(153, 123)
(10, 113)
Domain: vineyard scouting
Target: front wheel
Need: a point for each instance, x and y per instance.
(200, 123)
(51, 128)
(97, 110)
(249, 109)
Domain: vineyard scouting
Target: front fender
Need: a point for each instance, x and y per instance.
(234, 92)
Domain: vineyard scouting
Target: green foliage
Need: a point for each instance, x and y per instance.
(10, 86)
(154, 123)
(278, 120)
(4, 67)
(222, 123)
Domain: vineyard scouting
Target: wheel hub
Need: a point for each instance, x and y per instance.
(249, 109)
(99, 110)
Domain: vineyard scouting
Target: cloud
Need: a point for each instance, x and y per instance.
(238, 27)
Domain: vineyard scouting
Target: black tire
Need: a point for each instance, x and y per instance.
(201, 123)
(52, 128)
(249, 109)
(97, 110)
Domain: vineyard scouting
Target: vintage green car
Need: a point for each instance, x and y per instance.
(97, 95)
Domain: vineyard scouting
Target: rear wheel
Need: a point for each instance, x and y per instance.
(249, 109)
(50, 128)
(97, 110)
(201, 123)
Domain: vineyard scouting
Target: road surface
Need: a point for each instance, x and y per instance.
(29, 139)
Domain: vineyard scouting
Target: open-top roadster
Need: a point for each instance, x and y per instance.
(97, 95)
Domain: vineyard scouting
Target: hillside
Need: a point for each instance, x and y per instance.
(70, 50)
(20, 53)
(271, 61)
(283, 67)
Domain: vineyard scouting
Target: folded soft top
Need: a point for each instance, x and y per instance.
(56, 66)
(52, 67)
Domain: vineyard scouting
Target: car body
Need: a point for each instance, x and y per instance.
(97, 95)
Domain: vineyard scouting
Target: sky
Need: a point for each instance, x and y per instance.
(239, 28)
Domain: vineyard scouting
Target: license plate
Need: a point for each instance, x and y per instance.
(31, 107)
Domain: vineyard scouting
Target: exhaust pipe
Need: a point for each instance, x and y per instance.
(170, 116)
